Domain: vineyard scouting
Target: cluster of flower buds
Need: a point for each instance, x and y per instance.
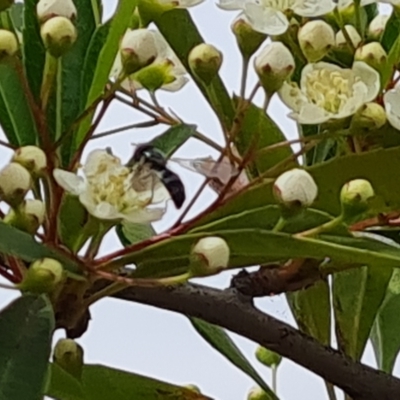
(16, 180)
(57, 30)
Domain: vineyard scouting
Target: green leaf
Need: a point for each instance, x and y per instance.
(357, 295)
(385, 334)
(260, 131)
(105, 61)
(393, 54)
(26, 328)
(16, 14)
(103, 383)
(130, 233)
(182, 34)
(220, 340)
(173, 138)
(13, 105)
(33, 51)
(17, 243)
(391, 33)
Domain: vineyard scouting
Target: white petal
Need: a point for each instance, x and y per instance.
(313, 8)
(188, 3)
(311, 114)
(266, 19)
(177, 84)
(370, 77)
(391, 100)
(231, 4)
(144, 215)
(69, 181)
(292, 96)
(98, 161)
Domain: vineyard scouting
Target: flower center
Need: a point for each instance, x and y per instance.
(329, 90)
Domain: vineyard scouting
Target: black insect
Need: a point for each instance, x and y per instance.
(149, 161)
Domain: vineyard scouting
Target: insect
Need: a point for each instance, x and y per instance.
(150, 162)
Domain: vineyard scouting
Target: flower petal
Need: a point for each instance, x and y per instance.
(99, 161)
(69, 181)
(144, 215)
(313, 8)
(391, 99)
(370, 77)
(266, 19)
(231, 4)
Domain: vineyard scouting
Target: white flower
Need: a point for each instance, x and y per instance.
(391, 100)
(330, 92)
(377, 26)
(107, 192)
(269, 16)
(47, 9)
(166, 71)
(353, 35)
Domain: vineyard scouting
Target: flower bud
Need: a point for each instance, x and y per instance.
(274, 65)
(355, 196)
(4, 4)
(295, 188)
(193, 388)
(69, 356)
(205, 61)
(8, 44)
(316, 38)
(209, 256)
(32, 158)
(377, 27)
(370, 116)
(47, 9)
(256, 393)
(267, 357)
(43, 276)
(247, 38)
(138, 49)
(353, 34)
(58, 35)
(372, 54)
(15, 182)
(28, 216)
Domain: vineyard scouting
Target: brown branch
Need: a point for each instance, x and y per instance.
(232, 311)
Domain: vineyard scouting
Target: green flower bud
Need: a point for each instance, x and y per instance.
(355, 197)
(28, 216)
(274, 65)
(377, 26)
(8, 44)
(247, 38)
(353, 34)
(256, 393)
(205, 61)
(154, 76)
(58, 35)
(15, 182)
(295, 189)
(47, 9)
(267, 357)
(4, 4)
(209, 256)
(316, 38)
(69, 356)
(370, 116)
(193, 388)
(43, 276)
(372, 54)
(32, 158)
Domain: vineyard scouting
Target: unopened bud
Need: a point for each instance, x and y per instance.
(58, 35)
(205, 61)
(256, 393)
(4, 4)
(370, 116)
(267, 357)
(353, 35)
(316, 38)
(155, 75)
(247, 38)
(274, 65)
(372, 54)
(47, 9)
(69, 356)
(138, 49)
(43, 276)
(32, 158)
(15, 182)
(8, 44)
(27, 217)
(355, 196)
(193, 388)
(377, 27)
(209, 256)
(295, 188)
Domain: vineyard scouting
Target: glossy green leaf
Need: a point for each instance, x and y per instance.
(16, 15)
(391, 42)
(220, 340)
(391, 32)
(26, 329)
(357, 295)
(173, 138)
(130, 233)
(103, 383)
(105, 61)
(13, 104)
(17, 243)
(33, 51)
(258, 131)
(182, 34)
(385, 334)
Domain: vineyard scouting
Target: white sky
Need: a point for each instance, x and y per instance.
(162, 344)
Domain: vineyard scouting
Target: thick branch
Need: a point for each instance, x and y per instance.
(232, 311)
